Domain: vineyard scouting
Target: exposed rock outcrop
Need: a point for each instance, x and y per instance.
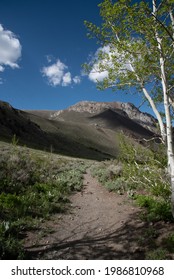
(125, 109)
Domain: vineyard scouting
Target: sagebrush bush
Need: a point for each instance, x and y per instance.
(118, 185)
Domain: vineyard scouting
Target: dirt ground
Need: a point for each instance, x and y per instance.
(100, 225)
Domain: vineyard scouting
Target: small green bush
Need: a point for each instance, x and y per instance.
(11, 248)
(157, 254)
(157, 209)
(169, 242)
(118, 185)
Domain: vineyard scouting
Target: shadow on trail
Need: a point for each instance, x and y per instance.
(130, 241)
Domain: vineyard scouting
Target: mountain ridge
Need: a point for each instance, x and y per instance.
(126, 109)
(86, 129)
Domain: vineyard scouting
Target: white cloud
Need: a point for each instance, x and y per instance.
(1, 68)
(58, 74)
(66, 80)
(10, 49)
(49, 58)
(55, 73)
(77, 79)
(96, 74)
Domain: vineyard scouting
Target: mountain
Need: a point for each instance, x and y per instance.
(86, 129)
(87, 108)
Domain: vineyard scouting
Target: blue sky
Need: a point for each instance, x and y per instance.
(45, 46)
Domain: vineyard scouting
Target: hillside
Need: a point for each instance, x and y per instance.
(87, 129)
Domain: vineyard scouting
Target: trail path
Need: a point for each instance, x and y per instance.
(100, 225)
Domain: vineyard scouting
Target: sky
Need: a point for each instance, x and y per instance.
(43, 44)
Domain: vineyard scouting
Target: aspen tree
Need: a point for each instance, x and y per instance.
(139, 36)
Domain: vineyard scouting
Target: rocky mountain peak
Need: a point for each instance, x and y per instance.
(127, 109)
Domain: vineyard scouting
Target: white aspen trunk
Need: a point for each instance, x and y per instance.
(172, 171)
(158, 116)
(154, 108)
(172, 21)
(170, 154)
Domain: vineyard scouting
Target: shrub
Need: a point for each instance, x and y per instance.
(169, 242)
(157, 254)
(17, 172)
(157, 209)
(118, 185)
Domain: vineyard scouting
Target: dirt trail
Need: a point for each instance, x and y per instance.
(101, 225)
